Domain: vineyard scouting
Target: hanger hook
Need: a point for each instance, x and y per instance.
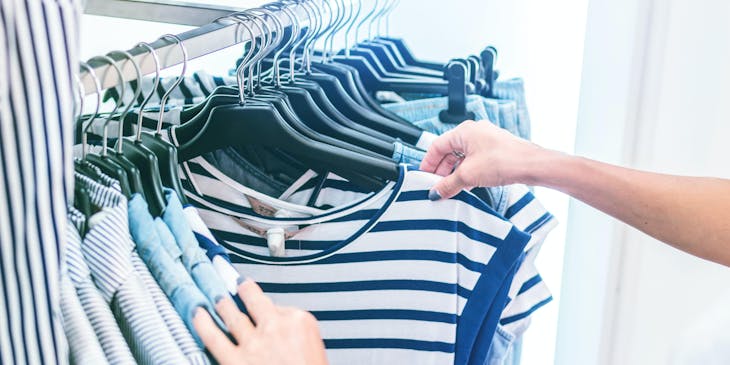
(177, 83)
(137, 93)
(247, 56)
(318, 21)
(97, 85)
(264, 34)
(279, 36)
(393, 6)
(387, 10)
(301, 38)
(156, 83)
(243, 66)
(332, 25)
(376, 18)
(122, 85)
(341, 22)
(364, 20)
(323, 30)
(352, 21)
(284, 8)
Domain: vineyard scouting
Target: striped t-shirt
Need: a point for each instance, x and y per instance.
(392, 277)
(528, 291)
(211, 189)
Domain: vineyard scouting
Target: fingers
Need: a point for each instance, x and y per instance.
(237, 323)
(448, 187)
(447, 165)
(259, 306)
(440, 149)
(213, 338)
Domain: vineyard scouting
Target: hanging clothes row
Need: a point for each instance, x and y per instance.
(299, 170)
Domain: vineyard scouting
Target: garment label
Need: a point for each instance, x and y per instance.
(262, 209)
(276, 237)
(276, 240)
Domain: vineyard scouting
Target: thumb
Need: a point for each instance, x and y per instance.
(448, 187)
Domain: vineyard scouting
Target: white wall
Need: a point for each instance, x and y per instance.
(655, 96)
(685, 129)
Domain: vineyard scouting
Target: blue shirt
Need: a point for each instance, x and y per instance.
(170, 275)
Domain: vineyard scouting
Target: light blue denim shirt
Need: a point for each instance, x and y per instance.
(171, 276)
(508, 93)
(407, 155)
(193, 257)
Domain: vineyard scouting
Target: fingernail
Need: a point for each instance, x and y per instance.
(218, 299)
(434, 195)
(240, 280)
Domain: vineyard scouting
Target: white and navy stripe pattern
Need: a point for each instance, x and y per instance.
(97, 309)
(83, 344)
(209, 188)
(399, 278)
(175, 324)
(108, 250)
(215, 252)
(38, 57)
(528, 292)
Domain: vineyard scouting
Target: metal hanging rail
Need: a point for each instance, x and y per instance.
(170, 11)
(199, 42)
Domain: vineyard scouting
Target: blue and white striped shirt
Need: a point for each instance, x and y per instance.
(175, 324)
(108, 250)
(38, 58)
(97, 309)
(209, 188)
(393, 277)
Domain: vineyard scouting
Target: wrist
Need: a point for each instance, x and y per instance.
(544, 167)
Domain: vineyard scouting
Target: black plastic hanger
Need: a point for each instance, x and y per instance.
(348, 112)
(350, 80)
(488, 57)
(309, 101)
(408, 56)
(331, 87)
(259, 124)
(277, 98)
(256, 123)
(456, 73)
(167, 153)
(115, 156)
(143, 158)
(386, 52)
(107, 166)
(82, 202)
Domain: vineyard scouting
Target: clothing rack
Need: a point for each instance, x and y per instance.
(170, 11)
(207, 39)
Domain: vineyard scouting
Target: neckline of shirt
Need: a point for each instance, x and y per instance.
(388, 194)
(386, 197)
(314, 215)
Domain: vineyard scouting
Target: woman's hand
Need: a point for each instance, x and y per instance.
(279, 336)
(483, 155)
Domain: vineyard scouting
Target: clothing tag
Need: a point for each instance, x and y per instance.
(276, 237)
(262, 209)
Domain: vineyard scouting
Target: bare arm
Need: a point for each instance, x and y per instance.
(689, 213)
